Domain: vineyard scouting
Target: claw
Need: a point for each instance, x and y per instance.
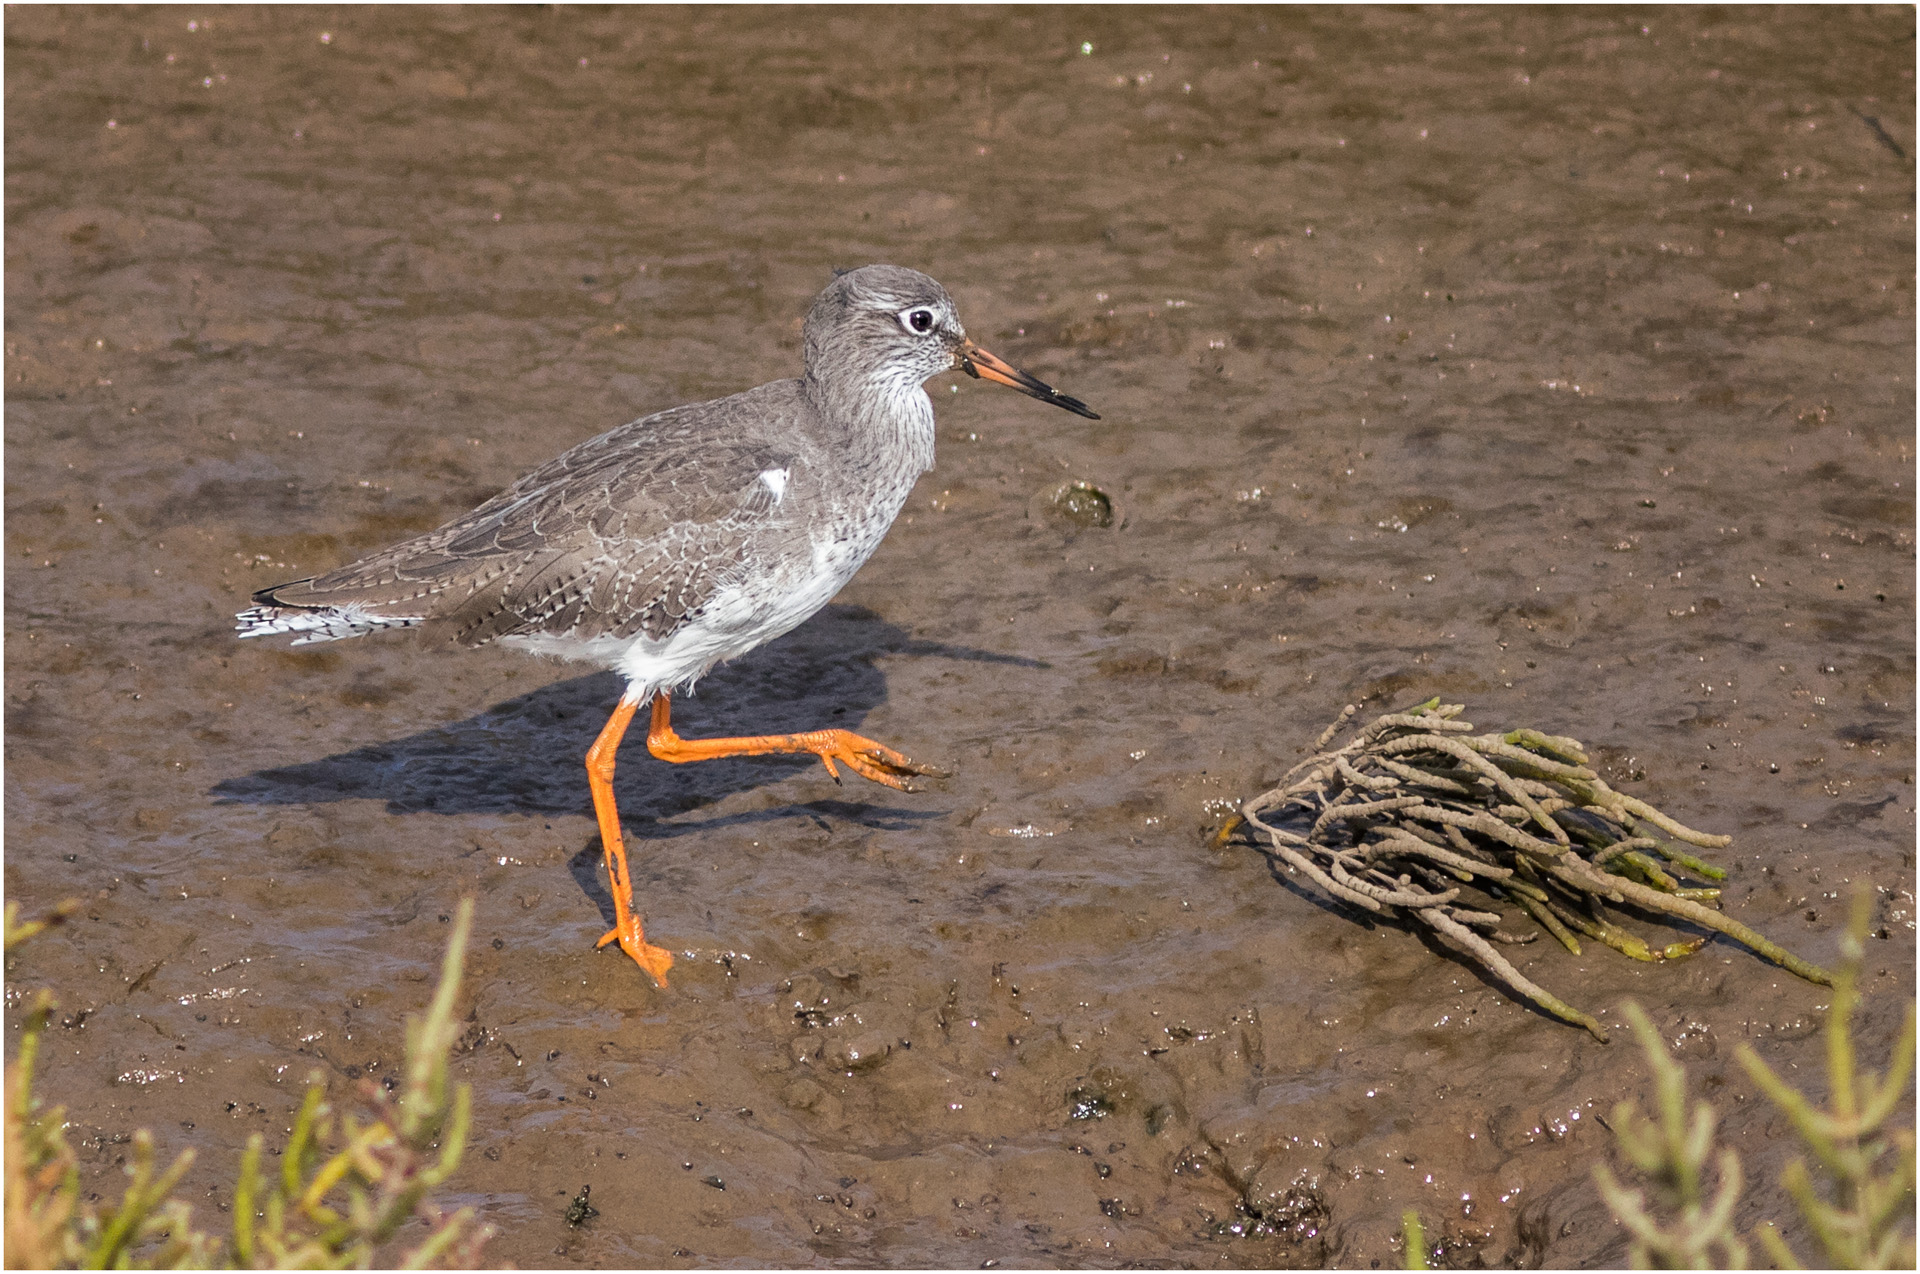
(655, 960)
(883, 765)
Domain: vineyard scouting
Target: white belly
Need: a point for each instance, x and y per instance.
(735, 620)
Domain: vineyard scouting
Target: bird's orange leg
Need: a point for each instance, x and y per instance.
(863, 756)
(626, 927)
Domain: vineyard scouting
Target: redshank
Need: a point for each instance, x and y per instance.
(686, 538)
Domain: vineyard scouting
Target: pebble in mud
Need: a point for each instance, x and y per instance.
(579, 1210)
(1285, 1201)
(1085, 1103)
(1081, 504)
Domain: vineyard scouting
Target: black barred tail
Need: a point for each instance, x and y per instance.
(268, 616)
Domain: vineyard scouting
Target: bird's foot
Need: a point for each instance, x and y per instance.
(655, 960)
(869, 760)
(863, 756)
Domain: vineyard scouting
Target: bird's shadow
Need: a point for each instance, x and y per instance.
(527, 754)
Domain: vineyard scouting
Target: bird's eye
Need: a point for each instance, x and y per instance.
(917, 320)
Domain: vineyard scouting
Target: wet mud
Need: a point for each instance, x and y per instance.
(1559, 363)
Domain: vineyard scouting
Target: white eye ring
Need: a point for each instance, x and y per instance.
(918, 321)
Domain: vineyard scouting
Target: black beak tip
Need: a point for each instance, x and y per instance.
(1069, 402)
(1035, 388)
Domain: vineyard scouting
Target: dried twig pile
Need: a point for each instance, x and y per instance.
(1416, 805)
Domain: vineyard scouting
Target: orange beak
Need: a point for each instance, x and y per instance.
(981, 365)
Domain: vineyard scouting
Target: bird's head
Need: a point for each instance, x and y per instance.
(886, 321)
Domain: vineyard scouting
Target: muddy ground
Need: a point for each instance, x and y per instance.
(1559, 363)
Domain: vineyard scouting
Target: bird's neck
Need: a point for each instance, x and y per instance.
(890, 416)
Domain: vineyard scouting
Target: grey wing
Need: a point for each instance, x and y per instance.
(638, 553)
(629, 533)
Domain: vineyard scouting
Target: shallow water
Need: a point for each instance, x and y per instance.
(1554, 362)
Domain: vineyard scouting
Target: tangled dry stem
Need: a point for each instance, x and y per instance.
(1416, 806)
